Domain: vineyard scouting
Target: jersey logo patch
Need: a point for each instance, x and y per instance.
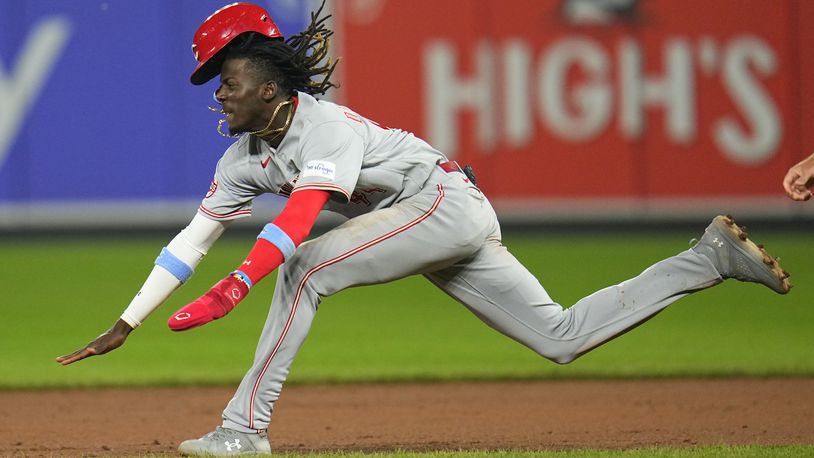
(266, 162)
(321, 169)
(360, 196)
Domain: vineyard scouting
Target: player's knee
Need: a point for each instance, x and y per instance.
(298, 271)
(294, 266)
(560, 354)
(291, 273)
(564, 358)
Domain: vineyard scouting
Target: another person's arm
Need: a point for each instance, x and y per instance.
(800, 179)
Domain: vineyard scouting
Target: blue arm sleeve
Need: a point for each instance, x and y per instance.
(173, 265)
(278, 238)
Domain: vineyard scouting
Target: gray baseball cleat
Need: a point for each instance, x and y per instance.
(227, 442)
(735, 256)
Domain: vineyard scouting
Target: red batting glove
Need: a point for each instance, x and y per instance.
(216, 303)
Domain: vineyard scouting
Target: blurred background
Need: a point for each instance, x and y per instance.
(578, 115)
(571, 111)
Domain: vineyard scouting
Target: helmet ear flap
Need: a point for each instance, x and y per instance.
(219, 29)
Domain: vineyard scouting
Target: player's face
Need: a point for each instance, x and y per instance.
(241, 96)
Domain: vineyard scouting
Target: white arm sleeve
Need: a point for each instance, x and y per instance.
(189, 246)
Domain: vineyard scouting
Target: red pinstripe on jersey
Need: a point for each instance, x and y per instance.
(321, 266)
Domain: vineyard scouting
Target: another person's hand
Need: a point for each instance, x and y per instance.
(112, 339)
(216, 303)
(800, 179)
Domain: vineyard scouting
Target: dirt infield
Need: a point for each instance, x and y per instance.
(524, 415)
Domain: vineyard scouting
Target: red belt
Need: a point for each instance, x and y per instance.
(450, 166)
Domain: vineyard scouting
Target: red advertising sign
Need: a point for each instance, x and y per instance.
(643, 100)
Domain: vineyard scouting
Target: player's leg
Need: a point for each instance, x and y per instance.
(497, 288)
(419, 234)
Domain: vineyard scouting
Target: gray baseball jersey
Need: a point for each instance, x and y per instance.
(329, 147)
(408, 216)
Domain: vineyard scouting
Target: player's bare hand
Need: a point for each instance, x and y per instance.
(800, 179)
(112, 339)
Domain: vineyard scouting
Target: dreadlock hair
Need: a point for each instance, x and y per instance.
(293, 62)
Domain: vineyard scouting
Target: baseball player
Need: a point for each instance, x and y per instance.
(411, 211)
(800, 179)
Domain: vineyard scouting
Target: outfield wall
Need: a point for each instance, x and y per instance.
(571, 110)
(99, 123)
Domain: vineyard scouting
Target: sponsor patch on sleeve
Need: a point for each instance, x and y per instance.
(321, 169)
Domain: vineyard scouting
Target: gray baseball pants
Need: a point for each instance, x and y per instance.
(449, 233)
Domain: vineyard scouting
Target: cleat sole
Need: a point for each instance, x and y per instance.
(758, 251)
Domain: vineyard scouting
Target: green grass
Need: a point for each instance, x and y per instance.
(59, 294)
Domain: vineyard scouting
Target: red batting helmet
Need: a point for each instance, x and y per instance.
(223, 26)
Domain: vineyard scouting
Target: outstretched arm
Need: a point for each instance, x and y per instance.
(800, 179)
(111, 339)
(274, 245)
(173, 267)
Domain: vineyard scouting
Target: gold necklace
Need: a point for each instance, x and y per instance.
(264, 131)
